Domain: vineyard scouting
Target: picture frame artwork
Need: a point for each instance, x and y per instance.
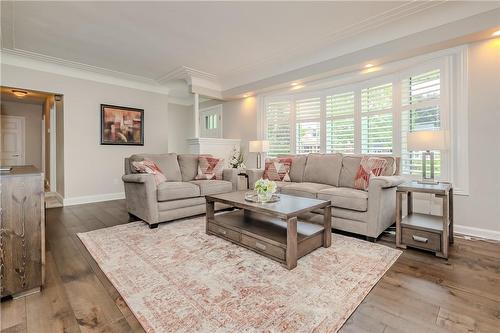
(122, 125)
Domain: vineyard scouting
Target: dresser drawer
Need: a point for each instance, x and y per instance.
(225, 232)
(264, 247)
(421, 239)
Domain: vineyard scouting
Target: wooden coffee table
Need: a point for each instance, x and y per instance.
(271, 229)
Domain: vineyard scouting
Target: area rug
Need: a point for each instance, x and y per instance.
(178, 279)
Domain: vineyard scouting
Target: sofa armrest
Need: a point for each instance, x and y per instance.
(382, 203)
(141, 196)
(231, 175)
(253, 176)
(139, 178)
(386, 181)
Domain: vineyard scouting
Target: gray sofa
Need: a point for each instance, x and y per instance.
(180, 196)
(331, 177)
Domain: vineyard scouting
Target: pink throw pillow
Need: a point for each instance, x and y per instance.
(369, 166)
(210, 168)
(148, 166)
(278, 169)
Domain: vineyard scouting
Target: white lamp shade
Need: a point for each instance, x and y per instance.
(426, 140)
(258, 146)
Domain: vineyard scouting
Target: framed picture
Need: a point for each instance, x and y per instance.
(122, 126)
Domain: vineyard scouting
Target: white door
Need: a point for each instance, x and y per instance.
(211, 122)
(12, 140)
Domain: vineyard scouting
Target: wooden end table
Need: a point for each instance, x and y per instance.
(425, 231)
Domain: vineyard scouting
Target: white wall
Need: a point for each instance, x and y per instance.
(240, 122)
(481, 209)
(180, 127)
(89, 168)
(476, 214)
(33, 130)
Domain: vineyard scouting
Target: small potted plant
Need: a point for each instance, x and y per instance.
(265, 189)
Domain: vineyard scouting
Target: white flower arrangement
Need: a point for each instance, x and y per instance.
(237, 160)
(265, 189)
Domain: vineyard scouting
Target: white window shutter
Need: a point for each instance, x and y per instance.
(278, 126)
(307, 118)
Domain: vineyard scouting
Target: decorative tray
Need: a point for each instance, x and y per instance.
(253, 197)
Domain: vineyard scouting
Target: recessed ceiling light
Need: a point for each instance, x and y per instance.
(245, 96)
(20, 93)
(369, 65)
(496, 33)
(298, 86)
(294, 84)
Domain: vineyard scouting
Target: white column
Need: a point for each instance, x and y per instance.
(196, 108)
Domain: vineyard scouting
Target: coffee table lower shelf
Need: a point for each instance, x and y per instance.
(264, 234)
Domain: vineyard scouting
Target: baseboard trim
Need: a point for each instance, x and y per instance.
(93, 198)
(477, 232)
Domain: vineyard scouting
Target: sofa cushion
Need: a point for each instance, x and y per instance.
(208, 187)
(166, 162)
(351, 163)
(348, 198)
(188, 164)
(307, 190)
(281, 185)
(177, 190)
(323, 168)
(297, 167)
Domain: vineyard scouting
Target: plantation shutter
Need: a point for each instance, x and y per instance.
(278, 126)
(376, 119)
(307, 117)
(340, 123)
(420, 99)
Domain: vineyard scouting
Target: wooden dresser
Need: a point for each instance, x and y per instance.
(22, 231)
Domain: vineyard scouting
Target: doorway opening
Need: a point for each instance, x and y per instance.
(31, 133)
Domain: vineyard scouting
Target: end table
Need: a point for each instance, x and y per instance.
(425, 231)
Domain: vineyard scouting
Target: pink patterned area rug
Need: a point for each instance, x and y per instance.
(178, 279)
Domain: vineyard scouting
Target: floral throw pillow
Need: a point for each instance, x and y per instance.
(210, 168)
(278, 169)
(148, 166)
(369, 167)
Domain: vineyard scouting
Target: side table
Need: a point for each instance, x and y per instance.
(425, 231)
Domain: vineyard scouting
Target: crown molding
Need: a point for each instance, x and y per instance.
(186, 73)
(44, 63)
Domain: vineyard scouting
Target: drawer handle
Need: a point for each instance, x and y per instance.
(222, 231)
(419, 239)
(260, 246)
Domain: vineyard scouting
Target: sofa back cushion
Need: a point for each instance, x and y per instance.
(297, 167)
(189, 165)
(323, 169)
(351, 163)
(166, 162)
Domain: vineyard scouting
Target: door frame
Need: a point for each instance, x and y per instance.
(53, 148)
(23, 138)
(219, 110)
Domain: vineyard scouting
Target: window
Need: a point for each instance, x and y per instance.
(420, 110)
(370, 117)
(340, 123)
(278, 127)
(376, 120)
(307, 119)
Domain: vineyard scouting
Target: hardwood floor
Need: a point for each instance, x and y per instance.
(419, 293)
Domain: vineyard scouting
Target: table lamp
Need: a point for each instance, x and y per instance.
(426, 141)
(258, 146)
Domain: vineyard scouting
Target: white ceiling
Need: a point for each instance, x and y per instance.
(225, 39)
